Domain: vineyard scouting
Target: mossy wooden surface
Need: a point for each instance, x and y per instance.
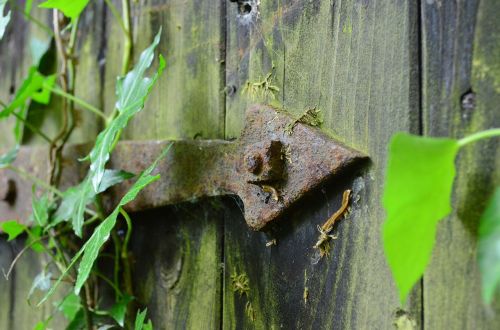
(461, 51)
(358, 62)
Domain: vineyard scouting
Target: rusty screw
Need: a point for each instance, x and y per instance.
(253, 162)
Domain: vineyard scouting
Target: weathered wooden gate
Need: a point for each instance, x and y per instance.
(430, 67)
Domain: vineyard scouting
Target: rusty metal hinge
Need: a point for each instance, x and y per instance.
(269, 167)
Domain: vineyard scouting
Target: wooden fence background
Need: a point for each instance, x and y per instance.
(373, 68)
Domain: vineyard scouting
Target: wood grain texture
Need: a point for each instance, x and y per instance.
(461, 51)
(357, 62)
(178, 250)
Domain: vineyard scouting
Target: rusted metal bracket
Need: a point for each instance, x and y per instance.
(268, 167)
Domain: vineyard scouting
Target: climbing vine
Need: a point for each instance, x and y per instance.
(70, 227)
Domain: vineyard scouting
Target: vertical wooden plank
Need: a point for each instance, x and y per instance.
(178, 249)
(461, 47)
(187, 100)
(357, 61)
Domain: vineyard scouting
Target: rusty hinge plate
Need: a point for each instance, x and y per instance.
(269, 167)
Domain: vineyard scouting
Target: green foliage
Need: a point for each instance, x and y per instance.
(132, 91)
(489, 247)
(70, 8)
(12, 228)
(117, 312)
(4, 20)
(31, 88)
(419, 180)
(70, 306)
(41, 207)
(7, 158)
(101, 234)
(139, 321)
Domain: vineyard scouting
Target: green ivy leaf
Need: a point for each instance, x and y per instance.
(4, 20)
(12, 228)
(419, 179)
(32, 87)
(74, 202)
(102, 232)
(117, 312)
(70, 8)
(489, 247)
(41, 207)
(132, 91)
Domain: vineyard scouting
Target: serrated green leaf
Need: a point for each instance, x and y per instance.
(102, 232)
(489, 247)
(132, 91)
(417, 192)
(73, 205)
(139, 319)
(4, 20)
(76, 199)
(12, 228)
(113, 177)
(70, 8)
(117, 312)
(41, 207)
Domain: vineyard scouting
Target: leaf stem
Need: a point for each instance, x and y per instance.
(124, 254)
(116, 15)
(31, 127)
(78, 101)
(479, 136)
(35, 180)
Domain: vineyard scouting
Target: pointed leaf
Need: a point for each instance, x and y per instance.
(102, 232)
(419, 179)
(113, 177)
(70, 306)
(41, 208)
(489, 247)
(70, 8)
(139, 319)
(132, 91)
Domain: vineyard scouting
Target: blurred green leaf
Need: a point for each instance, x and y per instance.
(132, 91)
(32, 87)
(489, 247)
(139, 319)
(419, 179)
(70, 8)
(70, 306)
(4, 20)
(34, 234)
(12, 228)
(7, 158)
(117, 312)
(41, 282)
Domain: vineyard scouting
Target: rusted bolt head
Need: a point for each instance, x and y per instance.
(253, 162)
(7, 190)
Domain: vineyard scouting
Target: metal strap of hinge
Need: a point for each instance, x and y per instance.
(269, 167)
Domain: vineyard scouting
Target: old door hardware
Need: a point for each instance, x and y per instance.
(252, 167)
